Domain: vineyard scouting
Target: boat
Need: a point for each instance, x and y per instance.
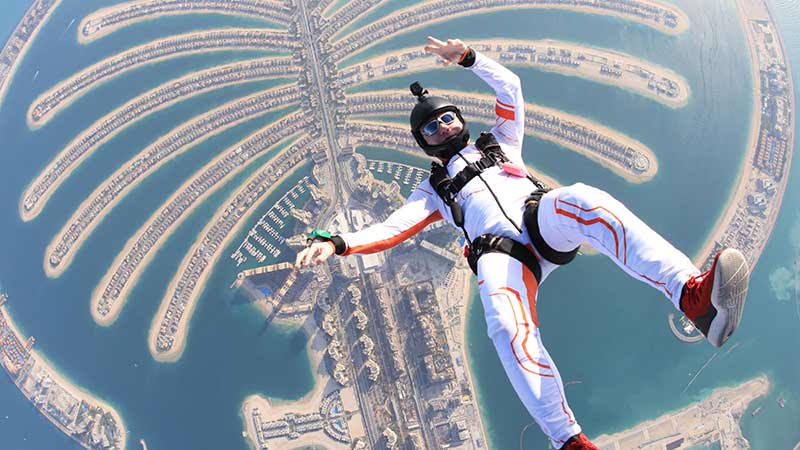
(756, 411)
(781, 402)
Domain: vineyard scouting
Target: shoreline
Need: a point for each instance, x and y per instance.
(274, 409)
(618, 136)
(84, 40)
(27, 216)
(627, 83)
(133, 279)
(179, 344)
(747, 168)
(24, 51)
(79, 93)
(682, 27)
(64, 263)
(63, 381)
(762, 382)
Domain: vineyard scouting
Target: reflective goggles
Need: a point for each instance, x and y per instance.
(432, 127)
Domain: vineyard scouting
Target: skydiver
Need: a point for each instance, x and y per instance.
(518, 231)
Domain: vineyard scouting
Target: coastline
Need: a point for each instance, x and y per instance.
(588, 70)
(27, 216)
(64, 263)
(63, 381)
(175, 353)
(274, 409)
(739, 192)
(83, 40)
(64, 104)
(757, 387)
(122, 297)
(618, 136)
(21, 55)
(683, 26)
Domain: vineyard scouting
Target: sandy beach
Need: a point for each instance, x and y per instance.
(273, 409)
(52, 272)
(74, 389)
(33, 125)
(738, 397)
(122, 298)
(122, 6)
(682, 26)
(588, 70)
(183, 328)
(63, 154)
(21, 56)
(747, 171)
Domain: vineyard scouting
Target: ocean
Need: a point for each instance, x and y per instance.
(631, 370)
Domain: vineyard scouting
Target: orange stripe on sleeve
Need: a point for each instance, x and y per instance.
(388, 243)
(505, 104)
(503, 112)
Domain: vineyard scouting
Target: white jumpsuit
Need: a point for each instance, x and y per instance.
(568, 216)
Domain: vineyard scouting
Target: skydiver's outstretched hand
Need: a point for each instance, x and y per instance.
(316, 253)
(450, 51)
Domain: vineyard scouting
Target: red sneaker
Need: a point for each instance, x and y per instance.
(714, 300)
(579, 442)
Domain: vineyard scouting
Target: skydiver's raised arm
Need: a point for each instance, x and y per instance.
(509, 105)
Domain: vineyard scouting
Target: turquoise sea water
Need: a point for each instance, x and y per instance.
(600, 327)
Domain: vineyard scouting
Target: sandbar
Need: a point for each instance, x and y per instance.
(174, 354)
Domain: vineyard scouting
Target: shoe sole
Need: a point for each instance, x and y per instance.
(731, 279)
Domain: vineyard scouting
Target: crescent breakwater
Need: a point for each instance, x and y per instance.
(44, 186)
(753, 209)
(108, 20)
(599, 65)
(168, 331)
(621, 154)
(20, 40)
(662, 17)
(80, 415)
(61, 251)
(63, 94)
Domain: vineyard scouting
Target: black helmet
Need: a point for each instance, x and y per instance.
(423, 111)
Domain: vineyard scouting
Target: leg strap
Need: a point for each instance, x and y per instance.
(487, 243)
(531, 219)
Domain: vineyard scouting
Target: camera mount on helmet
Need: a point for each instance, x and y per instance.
(426, 108)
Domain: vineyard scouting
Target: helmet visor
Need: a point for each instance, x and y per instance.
(432, 127)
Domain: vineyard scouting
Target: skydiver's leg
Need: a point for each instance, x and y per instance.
(508, 293)
(571, 215)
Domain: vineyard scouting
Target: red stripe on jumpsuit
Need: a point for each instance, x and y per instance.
(505, 292)
(608, 225)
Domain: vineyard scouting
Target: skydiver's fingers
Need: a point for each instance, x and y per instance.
(309, 253)
(435, 41)
(298, 259)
